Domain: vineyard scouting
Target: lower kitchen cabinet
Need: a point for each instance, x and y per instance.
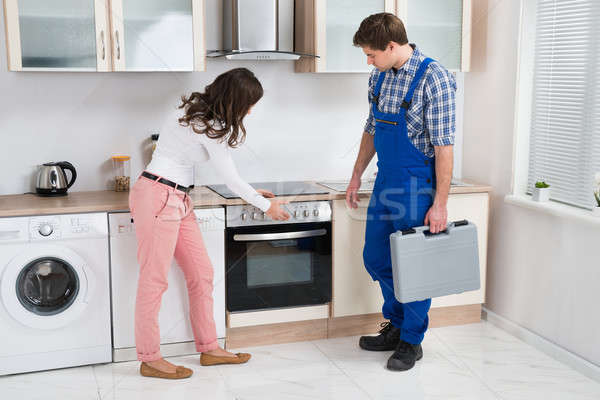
(355, 293)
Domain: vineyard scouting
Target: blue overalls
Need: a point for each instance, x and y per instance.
(403, 193)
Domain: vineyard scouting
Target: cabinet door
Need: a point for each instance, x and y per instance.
(473, 207)
(354, 291)
(440, 28)
(157, 35)
(326, 28)
(342, 19)
(66, 35)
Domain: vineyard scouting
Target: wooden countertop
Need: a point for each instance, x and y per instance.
(106, 200)
(79, 202)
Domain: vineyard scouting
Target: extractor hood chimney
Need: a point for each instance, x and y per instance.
(258, 30)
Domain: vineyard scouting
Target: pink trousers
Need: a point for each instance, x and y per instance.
(166, 226)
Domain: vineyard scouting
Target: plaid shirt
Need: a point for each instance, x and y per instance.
(430, 119)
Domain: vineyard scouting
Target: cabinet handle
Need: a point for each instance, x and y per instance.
(103, 46)
(118, 45)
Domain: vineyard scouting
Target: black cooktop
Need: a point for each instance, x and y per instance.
(277, 188)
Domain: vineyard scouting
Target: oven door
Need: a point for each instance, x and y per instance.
(276, 266)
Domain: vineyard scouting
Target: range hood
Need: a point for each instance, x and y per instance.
(258, 30)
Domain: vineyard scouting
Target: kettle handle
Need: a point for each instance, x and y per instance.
(67, 165)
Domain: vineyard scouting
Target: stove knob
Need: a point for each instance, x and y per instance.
(254, 215)
(244, 216)
(316, 212)
(306, 213)
(45, 229)
(296, 214)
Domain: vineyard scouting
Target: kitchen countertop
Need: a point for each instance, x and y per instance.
(93, 201)
(107, 200)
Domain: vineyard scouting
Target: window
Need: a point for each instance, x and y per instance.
(564, 126)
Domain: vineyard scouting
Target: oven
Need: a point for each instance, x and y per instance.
(274, 264)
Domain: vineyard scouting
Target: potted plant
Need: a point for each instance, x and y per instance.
(541, 191)
(596, 209)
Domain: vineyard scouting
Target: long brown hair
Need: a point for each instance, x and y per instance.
(220, 110)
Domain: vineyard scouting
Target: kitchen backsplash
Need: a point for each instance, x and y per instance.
(307, 126)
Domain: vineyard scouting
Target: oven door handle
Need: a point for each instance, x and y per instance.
(279, 236)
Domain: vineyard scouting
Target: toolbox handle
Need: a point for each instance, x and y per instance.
(425, 229)
(428, 234)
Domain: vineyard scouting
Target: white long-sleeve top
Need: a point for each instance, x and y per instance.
(179, 148)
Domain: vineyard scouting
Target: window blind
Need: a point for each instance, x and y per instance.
(565, 125)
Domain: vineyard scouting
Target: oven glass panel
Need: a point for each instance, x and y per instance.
(268, 269)
(279, 262)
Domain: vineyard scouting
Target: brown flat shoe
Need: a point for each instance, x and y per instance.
(180, 372)
(207, 359)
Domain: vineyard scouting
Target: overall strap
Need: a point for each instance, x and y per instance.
(378, 88)
(420, 72)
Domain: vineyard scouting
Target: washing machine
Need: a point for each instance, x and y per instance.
(54, 292)
(176, 335)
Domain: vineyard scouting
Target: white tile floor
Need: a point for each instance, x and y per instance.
(477, 361)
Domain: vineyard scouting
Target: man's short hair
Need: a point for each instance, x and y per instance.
(378, 30)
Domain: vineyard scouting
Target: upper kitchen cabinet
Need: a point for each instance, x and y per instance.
(326, 28)
(441, 29)
(105, 35)
(158, 35)
(57, 35)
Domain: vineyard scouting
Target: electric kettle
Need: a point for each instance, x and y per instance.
(52, 179)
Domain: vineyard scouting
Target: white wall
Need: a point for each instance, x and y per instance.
(542, 270)
(307, 126)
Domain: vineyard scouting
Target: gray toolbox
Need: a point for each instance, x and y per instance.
(426, 265)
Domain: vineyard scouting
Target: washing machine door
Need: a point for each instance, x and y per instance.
(47, 287)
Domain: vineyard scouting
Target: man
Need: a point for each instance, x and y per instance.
(411, 128)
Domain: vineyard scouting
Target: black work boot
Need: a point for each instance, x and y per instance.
(388, 339)
(405, 356)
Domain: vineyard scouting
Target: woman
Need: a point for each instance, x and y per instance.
(211, 123)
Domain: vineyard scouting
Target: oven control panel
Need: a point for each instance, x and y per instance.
(301, 211)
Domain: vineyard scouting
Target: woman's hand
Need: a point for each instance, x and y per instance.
(265, 193)
(276, 212)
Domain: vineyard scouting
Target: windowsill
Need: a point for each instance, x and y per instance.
(553, 208)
